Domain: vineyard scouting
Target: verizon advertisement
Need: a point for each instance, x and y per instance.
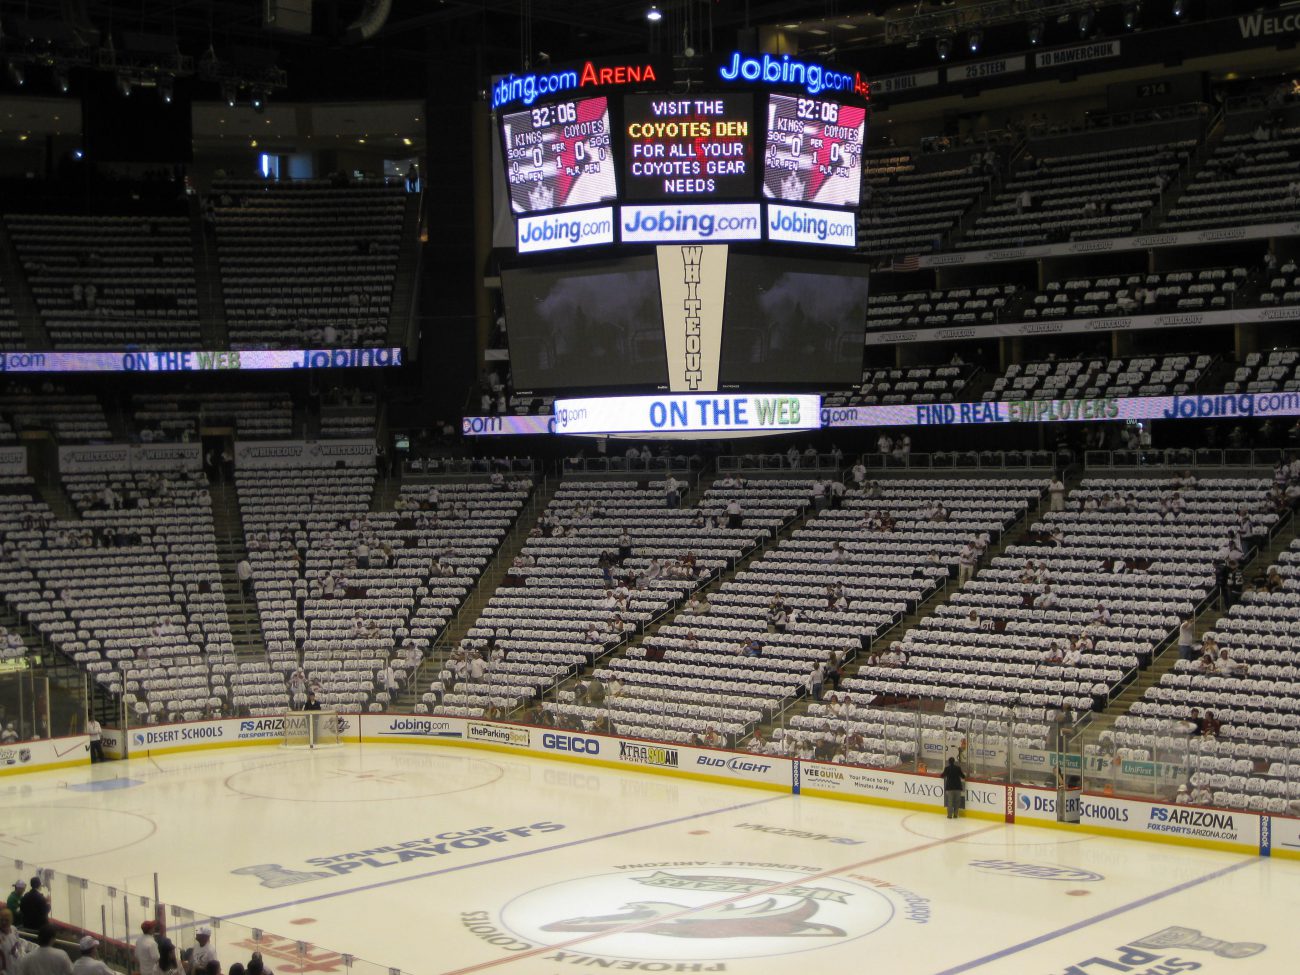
(47, 753)
(692, 291)
(131, 457)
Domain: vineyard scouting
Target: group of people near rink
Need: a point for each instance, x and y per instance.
(31, 945)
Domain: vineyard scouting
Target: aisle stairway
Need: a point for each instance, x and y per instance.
(488, 582)
(245, 623)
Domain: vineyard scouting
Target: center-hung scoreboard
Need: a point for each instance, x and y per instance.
(671, 237)
(770, 148)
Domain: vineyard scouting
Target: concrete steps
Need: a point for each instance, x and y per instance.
(488, 583)
(245, 621)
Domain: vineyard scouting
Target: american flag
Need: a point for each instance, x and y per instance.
(911, 262)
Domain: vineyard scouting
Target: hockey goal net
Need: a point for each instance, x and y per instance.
(311, 729)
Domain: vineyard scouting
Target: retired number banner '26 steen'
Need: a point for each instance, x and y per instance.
(692, 290)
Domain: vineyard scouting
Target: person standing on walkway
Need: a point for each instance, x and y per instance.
(954, 780)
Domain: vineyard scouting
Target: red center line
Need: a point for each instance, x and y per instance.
(774, 888)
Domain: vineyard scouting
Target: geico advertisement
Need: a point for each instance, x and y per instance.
(691, 223)
(32, 756)
(804, 225)
(925, 790)
(559, 231)
(687, 414)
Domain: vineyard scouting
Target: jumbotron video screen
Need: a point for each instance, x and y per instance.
(558, 155)
(814, 151)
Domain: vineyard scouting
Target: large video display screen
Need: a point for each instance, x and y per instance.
(814, 151)
(558, 155)
(792, 321)
(688, 148)
(585, 325)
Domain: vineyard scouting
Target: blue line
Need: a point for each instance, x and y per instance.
(1088, 922)
(500, 859)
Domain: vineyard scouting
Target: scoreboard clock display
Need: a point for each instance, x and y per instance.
(680, 147)
(814, 151)
(558, 155)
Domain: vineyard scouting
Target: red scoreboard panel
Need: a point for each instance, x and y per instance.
(688, 147)
(558, 155)
(814, 151)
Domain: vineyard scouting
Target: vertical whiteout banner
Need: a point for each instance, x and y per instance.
(692, 291)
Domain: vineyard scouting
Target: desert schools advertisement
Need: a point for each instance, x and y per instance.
(217, 733)
(49, 753)
(817, 778)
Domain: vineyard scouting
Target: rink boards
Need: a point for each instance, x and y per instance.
(1231, 830)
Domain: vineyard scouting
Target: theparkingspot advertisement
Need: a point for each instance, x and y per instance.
(1110, 815)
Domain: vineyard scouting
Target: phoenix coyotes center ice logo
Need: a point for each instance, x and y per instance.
(668, 912)
(764, 918)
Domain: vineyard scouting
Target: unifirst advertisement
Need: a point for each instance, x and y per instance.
(48, 753)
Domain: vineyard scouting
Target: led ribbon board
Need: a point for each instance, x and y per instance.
(742, 413)
(199, 360)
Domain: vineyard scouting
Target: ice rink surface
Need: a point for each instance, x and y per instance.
(437, 859)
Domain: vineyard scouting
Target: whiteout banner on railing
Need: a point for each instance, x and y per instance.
(131, 457)
(292, 454)
(48, 753)
(13, 461)
(192, 360)
(738, 413)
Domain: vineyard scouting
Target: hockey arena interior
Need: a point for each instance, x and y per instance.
(543, 486)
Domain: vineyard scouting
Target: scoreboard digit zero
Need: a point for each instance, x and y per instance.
(558, 155)
(814, 151)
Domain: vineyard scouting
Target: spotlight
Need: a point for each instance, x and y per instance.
(230, 93)
(1036, 33)
(1178, 8)
(61, 80)
(1130, 18)
(124, 85)
(1085, 23)
(258, 101)
(944, 46)
(976, 39)
(166, 88)
(16, 74)
(654, 14)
